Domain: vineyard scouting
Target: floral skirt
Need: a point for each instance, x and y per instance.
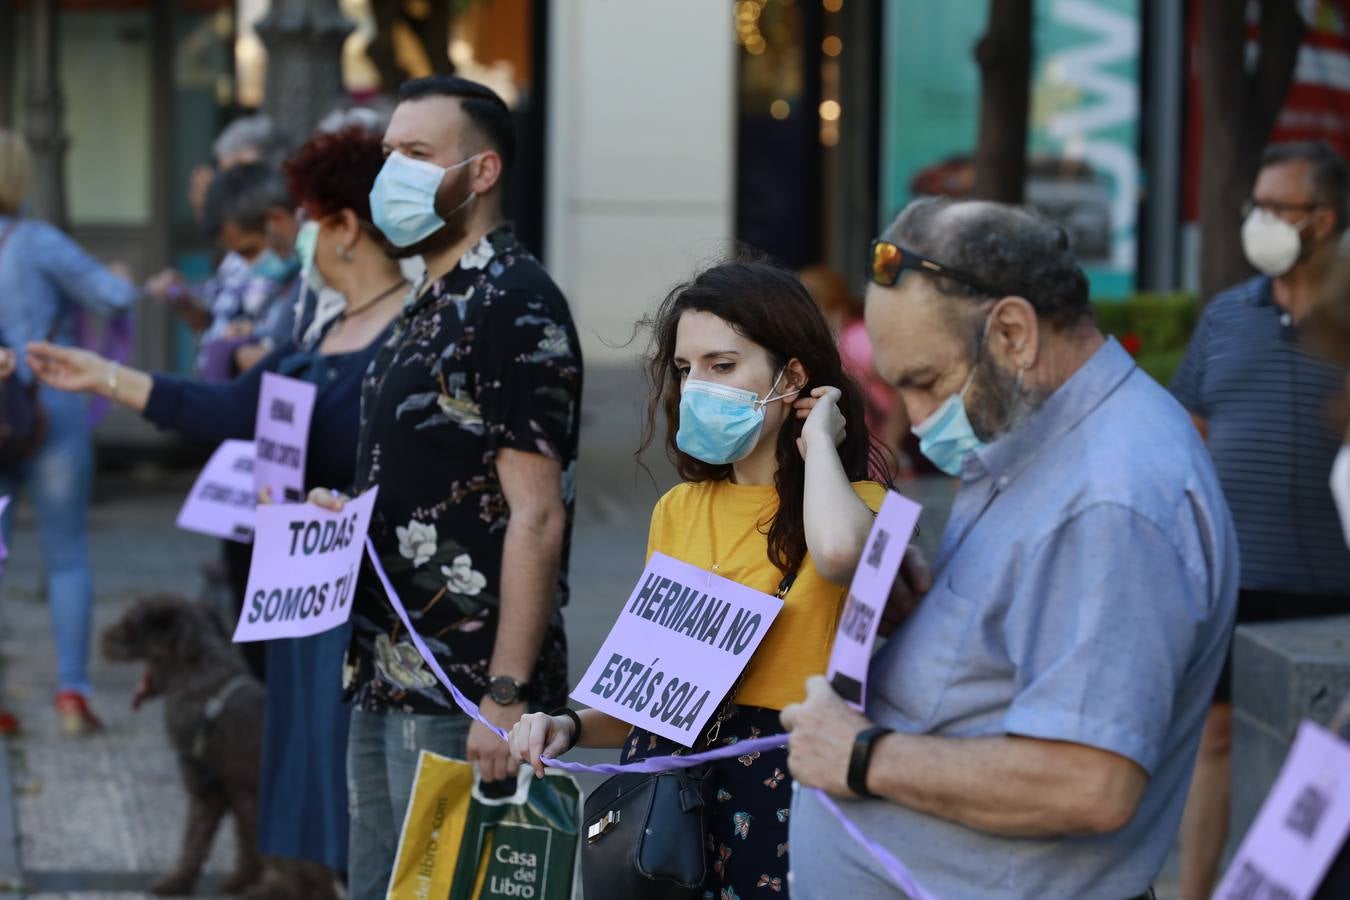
(751, 800)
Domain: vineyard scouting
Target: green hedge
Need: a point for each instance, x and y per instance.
(1153, 327)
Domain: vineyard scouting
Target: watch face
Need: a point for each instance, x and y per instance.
(505, 691)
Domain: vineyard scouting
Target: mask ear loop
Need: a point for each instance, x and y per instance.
(760, 404)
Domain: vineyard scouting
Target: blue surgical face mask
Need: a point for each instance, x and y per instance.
(403, 200)
(946, 436)
(271, 266)
(721, 424)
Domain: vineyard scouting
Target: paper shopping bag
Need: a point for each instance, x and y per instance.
(460, 843)
(428, 848)
(521, 846)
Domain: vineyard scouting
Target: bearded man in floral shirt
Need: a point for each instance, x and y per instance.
(469, 420)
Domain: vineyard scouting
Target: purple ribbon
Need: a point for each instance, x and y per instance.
(896, 869)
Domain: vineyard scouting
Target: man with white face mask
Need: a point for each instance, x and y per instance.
(1260, 399)
(1039, 712)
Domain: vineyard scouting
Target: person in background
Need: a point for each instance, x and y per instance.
(44, 278)
(470, 416)
(1031, 728)
(252, 139)
(246, 308)
(1259, 399)
(843, 310)
(303, 802)
(783, 508)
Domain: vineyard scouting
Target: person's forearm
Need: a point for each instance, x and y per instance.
(601, 730)
(530, 561)
(837, 521)
(1018, 787)
(126, 386)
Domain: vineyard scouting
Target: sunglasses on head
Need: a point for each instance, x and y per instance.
(889, 261)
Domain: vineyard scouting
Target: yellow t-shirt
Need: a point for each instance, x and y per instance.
(723, 527)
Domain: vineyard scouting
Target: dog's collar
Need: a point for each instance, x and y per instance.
(216, 705)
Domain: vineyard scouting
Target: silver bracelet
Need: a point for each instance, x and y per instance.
(112, 380)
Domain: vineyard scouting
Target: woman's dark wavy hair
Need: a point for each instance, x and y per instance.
(768, 305)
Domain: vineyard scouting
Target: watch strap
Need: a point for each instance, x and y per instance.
(861, 757)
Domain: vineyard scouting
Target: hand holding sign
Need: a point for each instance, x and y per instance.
(305, 563)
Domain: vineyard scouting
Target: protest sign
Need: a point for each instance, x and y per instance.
(223, 500)
(285, 407)
(680, 642)
(4, 550)
(867, 596)
(305, 562)
(1300, 827)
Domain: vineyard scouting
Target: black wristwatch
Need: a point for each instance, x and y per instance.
(505, 690)
(861, 756)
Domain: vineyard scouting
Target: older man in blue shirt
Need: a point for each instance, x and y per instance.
(1031, 729)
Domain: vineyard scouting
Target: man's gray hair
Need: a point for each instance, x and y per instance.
(1328, 174)
(372, 120)
(257, 132)
(243, 195)
(1011, 249)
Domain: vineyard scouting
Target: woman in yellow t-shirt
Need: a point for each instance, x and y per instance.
(768, 435)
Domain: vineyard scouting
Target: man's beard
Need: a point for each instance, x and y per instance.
(999, 403)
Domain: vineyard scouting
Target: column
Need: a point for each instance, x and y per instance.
(304, 62)
(46, 138)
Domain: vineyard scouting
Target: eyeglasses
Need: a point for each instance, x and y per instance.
(889, 261)
(1274, 207)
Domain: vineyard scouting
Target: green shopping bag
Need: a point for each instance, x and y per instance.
(459, 843)
(521, 846)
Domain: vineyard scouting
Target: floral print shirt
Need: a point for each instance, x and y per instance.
(486, 358)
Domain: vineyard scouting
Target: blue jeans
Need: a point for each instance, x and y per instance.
(382, 752)
(59, 478)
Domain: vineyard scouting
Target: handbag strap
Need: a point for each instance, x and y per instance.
(729, 703)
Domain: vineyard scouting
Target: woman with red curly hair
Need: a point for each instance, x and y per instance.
(353, 290)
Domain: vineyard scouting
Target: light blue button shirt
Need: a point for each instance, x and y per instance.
(1084, 592)
(44, 275)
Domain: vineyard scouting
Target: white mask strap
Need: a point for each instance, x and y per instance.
(771, 398)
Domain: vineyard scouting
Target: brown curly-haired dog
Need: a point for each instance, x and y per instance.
(213, 712)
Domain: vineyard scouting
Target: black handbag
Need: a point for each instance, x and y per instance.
(646, 836)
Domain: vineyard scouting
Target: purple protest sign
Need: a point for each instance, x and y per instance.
(305, 563)
(680, 642)
(867, 596)
(285, 406)
(1300, 827)
(4, 550)
(223, 500)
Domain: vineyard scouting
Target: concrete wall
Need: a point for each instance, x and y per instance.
(641, 155)
(1283, 673)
